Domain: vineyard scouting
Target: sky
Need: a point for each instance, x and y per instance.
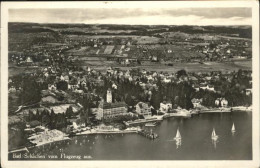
(139, 16)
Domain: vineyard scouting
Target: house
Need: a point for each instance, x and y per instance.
(114, 86)
(51, 87)
(196, 102)
(150, 78)
(28, 61)
(66, 78)
(224, 102)
(248, 92)
(79, 91)
(166, 80)
(221, 102)
(12, 89)
(196, 87)
(62, 78)
(154, 58)
(207, 87)
(165, 107)
(143, 109)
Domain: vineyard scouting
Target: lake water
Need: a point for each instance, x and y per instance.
(196, 141)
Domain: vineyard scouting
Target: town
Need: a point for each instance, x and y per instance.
(64, 83)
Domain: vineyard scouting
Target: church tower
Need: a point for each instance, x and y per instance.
(109, 96)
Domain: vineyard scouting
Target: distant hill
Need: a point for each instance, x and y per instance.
(148, 30)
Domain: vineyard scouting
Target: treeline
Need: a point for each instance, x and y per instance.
(145, 30)
(50, 119)
(31, 91)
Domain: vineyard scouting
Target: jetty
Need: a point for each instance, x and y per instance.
(147, 120)
(19, 150)
(148, 134)
(107, 131)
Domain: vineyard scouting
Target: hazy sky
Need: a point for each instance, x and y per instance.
(143, 16)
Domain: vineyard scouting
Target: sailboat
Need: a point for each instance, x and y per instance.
(214, 136)
(233, 130)
(178, 135)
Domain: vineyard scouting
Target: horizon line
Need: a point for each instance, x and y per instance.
(129, 24)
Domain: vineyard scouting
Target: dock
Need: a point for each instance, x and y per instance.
(19, 150)
(139, 121)
(147, 134)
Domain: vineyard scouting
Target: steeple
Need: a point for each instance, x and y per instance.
(109, 96)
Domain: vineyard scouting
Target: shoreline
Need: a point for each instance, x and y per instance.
(96, 132)
(106, 132)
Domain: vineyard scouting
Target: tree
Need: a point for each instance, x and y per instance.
(181, 73)
(38, 117)
(62, 85)
(30, 93)
(69, 112)
(31, 115)
(156, 99)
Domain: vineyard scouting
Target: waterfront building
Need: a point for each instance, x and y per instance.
(196, 102)
(144, 109)
(110, 110)
(165, 107)
(221, 102)
(224, 102)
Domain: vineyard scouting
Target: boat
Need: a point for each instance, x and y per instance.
(233, 130)
(150, 124)
(178, 135)
(214, 136)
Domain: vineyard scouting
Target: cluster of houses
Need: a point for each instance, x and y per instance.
(227, 49)
(80, 82)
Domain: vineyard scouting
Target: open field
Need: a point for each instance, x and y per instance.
(12, 71)
(189, 67)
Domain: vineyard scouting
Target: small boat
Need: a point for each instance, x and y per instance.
(214, 136)
(150, 124)
(233, 130)
(178, 135)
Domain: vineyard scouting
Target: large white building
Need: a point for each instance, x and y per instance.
(165, 107)
(111, 110)
(108, 109)
(144, 109)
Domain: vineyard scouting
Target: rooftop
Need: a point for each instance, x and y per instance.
(114, 105)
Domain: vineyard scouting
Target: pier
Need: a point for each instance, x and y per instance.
(140, 121)
(19, 150)
(148, 134)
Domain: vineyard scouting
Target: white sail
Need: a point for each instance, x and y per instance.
(213, 133)
(178, 135)
(233, 128)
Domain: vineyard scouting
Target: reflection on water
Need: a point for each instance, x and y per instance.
(214, 142)
(178, 144)
(195, 142)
